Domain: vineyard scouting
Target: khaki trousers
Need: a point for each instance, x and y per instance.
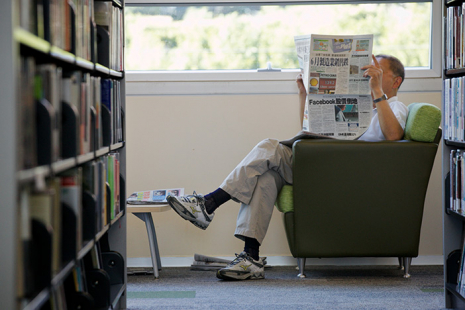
(255, 183)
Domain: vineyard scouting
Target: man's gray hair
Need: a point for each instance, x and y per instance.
(395, 65)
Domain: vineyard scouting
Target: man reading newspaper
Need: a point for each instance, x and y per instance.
(257, 180)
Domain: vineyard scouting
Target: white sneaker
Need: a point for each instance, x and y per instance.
(243, 267)
(191, 208)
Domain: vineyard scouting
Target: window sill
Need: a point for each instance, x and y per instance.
(233, 82)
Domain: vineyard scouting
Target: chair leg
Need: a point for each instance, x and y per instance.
(301, 265)
(401, 263)
(406, 261)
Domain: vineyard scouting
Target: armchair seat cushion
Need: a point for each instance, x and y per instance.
(285, 200)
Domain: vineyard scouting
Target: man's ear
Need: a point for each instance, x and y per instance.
(397, 82)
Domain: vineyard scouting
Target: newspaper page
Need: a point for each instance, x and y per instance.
(302, 45)
(151, 197)
(339, 103)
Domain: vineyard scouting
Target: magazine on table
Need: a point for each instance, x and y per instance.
(338, 102)
(150, 197)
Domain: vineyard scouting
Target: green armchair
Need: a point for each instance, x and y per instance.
(361, 199)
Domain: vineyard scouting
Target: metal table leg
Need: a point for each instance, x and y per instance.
(152, 236)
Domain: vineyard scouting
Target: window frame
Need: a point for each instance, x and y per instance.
(216, 82)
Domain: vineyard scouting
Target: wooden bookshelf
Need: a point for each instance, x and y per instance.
(63, 156)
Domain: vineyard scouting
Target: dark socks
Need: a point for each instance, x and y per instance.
(252, 247)
(215, 199)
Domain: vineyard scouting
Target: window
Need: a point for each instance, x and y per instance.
(247, 37)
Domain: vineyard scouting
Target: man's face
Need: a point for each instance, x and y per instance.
(390, 81)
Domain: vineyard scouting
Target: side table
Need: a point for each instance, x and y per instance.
(144, 212)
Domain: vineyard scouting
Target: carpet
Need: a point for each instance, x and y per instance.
(326, 287)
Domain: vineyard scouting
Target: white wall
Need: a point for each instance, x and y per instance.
(194, 141)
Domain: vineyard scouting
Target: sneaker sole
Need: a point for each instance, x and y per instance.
(183, 212)
(237, 276)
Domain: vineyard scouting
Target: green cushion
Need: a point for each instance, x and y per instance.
(423, 122)
(285, 200)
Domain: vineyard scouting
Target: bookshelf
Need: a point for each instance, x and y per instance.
(453, 155)
(63, 157)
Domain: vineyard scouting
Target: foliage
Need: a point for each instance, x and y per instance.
(247, 37)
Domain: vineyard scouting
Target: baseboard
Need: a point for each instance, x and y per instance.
(290, 261)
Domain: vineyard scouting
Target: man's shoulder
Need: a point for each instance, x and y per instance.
(394, 103)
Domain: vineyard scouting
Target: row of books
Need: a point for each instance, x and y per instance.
(109, 20)
(89, 29)
(461, 271)
(455, 37)
(89, 283)
(456, 181)
(63, 114)
(454, 106)
(57, 220)
(456, 185)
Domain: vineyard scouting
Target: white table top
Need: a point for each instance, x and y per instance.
(147, 208)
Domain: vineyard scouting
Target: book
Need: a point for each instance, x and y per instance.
(45, 119)
(24, 268)
(101, 194)
(150, 197)
(27, 115)
(196, 265)
(49, 77)
(85, 113)
(112, 178)
(118, 131)
(103, 11)
(55, 190)
(41, 215)
(454, 114)
(71, 195)
(458, 180)
(454, 36)
(117, 185)
(210, 259)
(108, 104)
(27, 14)
(54, 75)
(71, 123)
(90, 208)
(109, 21)
(111, 181)
(97, 100)
(96, 257)
(452, 180)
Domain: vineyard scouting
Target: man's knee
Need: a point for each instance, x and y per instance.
(271, 181)
(268, 143)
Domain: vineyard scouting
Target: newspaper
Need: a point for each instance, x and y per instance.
(150, 197)
(338, 103)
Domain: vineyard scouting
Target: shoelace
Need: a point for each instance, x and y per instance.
(241, 257)
(238, 259)
(196, 196)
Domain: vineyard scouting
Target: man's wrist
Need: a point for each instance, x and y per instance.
(377, 92)
(379, 99)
